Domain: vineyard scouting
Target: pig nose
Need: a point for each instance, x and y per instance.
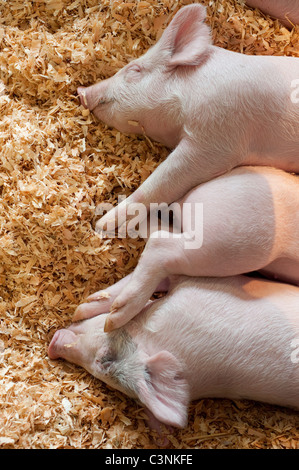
(61, 341)
(81, 90)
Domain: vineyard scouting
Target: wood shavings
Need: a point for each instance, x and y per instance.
(101, 296)
(70, 345)
(57, 164)
(133, 123)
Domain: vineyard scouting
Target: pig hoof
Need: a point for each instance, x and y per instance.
(79, 314)
(161, 442)
(98, 296)
(109, 325)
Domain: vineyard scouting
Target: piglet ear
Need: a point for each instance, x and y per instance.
(187, 37)
(166, 394)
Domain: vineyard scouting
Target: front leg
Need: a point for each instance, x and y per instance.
(102, 300)
(164, 256)
(183, 169)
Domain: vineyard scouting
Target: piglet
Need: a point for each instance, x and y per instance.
(246, 220)
(216, 109)
(234, 337)
(287, 11)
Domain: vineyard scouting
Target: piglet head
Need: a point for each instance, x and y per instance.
(141, 89)
(157, 380)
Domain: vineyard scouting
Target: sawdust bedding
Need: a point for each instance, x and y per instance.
(57, 163)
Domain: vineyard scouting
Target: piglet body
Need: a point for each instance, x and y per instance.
(287, 11)
(215, 108)
(245, 220)
(234, 337)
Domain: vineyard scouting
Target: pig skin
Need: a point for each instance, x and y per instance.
(234, 337)
(216, 109)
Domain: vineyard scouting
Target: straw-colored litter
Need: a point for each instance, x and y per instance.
(57, 163)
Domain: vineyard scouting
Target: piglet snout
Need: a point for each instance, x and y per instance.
(81, 90)
(61, 345)
(94, 95)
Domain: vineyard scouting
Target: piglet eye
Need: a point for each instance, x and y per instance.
(134, 68)
(133, 73)
(108, 360)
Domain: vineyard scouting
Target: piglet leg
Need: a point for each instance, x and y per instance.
(287, 11)
(170, 181)
(170, 254)
(101, 301)
(161, 258)
(156, 425)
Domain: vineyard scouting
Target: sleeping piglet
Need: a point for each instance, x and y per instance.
(287, 11)
(234, 337)
(248, 221)
(215, 108)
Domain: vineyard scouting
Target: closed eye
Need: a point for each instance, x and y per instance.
(134, 68)
(108, 360)
(101, 101)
